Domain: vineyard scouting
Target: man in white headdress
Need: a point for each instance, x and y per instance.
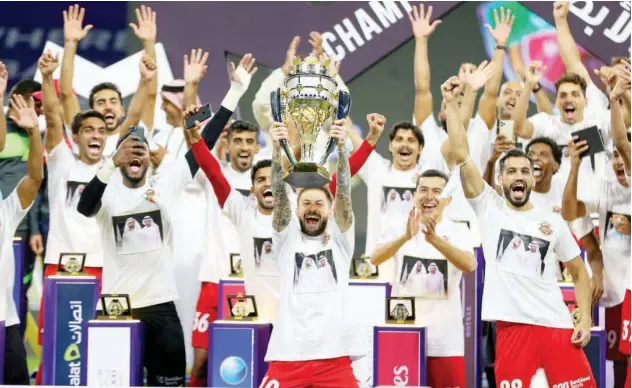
(131, 239)
(151, 232)
(512, 254)
(266, 261)
(415, 283)
(435, 285)
(392, 202)
(532, 258)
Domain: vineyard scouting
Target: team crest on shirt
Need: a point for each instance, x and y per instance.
(557, 209)
(150, 195)
(545, 228)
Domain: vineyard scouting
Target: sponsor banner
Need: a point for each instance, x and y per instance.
(596, 354)
(69, 302)
(236, 358)
(400, 356)
(228, 287)
(471, 299)
(19, 246)
(114, 354)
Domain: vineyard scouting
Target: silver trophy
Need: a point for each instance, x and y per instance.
(309, 98)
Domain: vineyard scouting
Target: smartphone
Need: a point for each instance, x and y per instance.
(137, 131)
(202, 115)
(506, 128)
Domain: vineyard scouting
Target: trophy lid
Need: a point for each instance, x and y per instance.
(312, 65)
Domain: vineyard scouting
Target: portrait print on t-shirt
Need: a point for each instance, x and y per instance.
(423, 277)
(264, 260)
(397, 200)
(522, 254)
(137, 233)
(315, 273)
(245, 193)
(73, 193)
(617, 230)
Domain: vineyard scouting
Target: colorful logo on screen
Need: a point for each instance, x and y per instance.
(233, 370)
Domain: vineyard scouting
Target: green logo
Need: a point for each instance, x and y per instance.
(72, 353)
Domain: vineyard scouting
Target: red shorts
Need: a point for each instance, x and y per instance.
(523, 349)
(205, 313)
(330, 373)
(613, 333)
(437, 376)
(624, 343)
(51, 270)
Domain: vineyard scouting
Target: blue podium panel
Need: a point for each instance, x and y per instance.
(70, 300)
(596, 354)
(114, 353)
(471, 300)
(2, 334)
(19, 249)
(236, 354)
(399, 356)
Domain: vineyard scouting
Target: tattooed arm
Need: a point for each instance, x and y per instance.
(343, 211)
(282, 213)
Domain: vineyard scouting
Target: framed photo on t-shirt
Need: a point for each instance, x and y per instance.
(423, 277)
(315, 272)
(138, 232)
(522, 254)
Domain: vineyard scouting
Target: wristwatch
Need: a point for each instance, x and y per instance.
(501, 47)
(537, 88)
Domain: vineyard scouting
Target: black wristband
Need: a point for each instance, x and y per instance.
(500, 47)
(537, 88)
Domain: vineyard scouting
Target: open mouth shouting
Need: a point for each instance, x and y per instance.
(267, 198)
(510, 105)
(570, 112)
(135, 166)
(243, 157)
(110, 119)
(312, 220)
(94, 148)
(537, 170)
(620, 173)
(519, 190)
(405, 155)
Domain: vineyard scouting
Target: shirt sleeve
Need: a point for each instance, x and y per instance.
(488, 200)
(565, 246)
(58, 161)
(597, 100)
(11, 212)
(373, 165)
(462, 237)
(394, 230)
(261, 105)
(542, 125)
(234, 207)
(346, 240)
(173, 180)
(582, 226)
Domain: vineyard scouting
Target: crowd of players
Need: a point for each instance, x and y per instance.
(137, 207)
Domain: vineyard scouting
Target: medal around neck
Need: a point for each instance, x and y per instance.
(115, 307)
(361, 268)
(400, 311)
(310, 99)
(71, 264)
(242, 308)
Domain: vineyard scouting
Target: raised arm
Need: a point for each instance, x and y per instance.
(522, 126)
(361, 154)
(567, 46)
(54, 126)
(500, 33)
(532, 76)
(619, 131)
(343, 210)
(148, 70)
(473, 79)
(502, 144)
(73, 33)
(572, 208)
(26, 118)
(471, 180)
(282, 213)
(4, 79)
(422, 29)
(146, 31)
(194, 71)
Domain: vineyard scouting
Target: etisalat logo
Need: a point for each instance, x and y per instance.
(72, 355)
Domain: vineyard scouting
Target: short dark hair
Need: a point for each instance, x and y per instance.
(25, 88)
(263, 163)
(242, 126)
(432, 173)
(571, 78)
(324, 189)
(407, 125)
(513, 153)
(82, 116)
(555, 148)
(103, 86)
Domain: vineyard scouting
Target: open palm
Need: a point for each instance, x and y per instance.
(25, 116)
(195, 66)
(420, 21)
(503, 26)
(73, 21)
(4, 79)
(146, 29)
(243, 74)
(479, 77)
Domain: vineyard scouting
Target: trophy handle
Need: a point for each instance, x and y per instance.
(344, 106)
(275, 104)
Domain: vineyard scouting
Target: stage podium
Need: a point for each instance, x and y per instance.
(399, 356)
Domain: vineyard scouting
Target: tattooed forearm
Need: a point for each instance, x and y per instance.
(282, 212)
(343, 211)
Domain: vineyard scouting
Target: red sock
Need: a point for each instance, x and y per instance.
(38, 376)
(195, 381)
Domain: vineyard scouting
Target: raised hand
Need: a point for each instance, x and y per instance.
(4, 79)
(464, 70)
(195, 67)
(479, 77)
(575, 149)
(420, 21)
(533, 76)
(146, 29)
(413, 222)
(619, 89)
(290, 54)
(376, 124)
(73, 19)
(243, 74)
(451, 89)
(48, 63)
(316, 41)
(339, 131)
(192, 134)
(621, 224)
(560, 9)
(25, 117)
(278, 133)
(148, 68)
(501, 145)
(503, 26)
(130, 149)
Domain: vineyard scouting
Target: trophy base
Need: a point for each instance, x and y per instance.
(306, 175)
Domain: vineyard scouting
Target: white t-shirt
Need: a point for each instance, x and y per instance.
(135, 229)
(110, 145)
(261, 273)
(520, 250)
(70, 231)
(314, 284)
(423, 272)
(11, 214)
(610, 198)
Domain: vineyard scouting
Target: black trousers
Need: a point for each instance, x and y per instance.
(15, 369)
(163, 345)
